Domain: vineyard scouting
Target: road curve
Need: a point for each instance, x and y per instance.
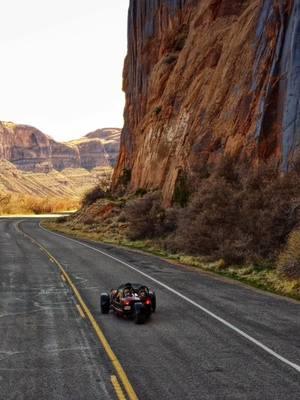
(46, 351)
(183, 352)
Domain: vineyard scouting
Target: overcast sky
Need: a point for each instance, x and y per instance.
(61, 64)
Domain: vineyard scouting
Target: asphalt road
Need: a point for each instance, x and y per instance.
(46, 351)
(194, 347)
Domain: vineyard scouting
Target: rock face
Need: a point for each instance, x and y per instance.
(204, 78)
(31, 150)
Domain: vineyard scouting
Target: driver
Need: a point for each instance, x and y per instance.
(142, 293)
(127, 292)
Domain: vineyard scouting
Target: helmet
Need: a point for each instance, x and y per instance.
(128, 284)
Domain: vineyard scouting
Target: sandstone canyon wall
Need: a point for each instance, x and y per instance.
(31, 150)
(204, 78)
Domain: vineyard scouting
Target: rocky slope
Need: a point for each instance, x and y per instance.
(204, 78)
(31, 150)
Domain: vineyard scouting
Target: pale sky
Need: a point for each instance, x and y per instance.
(61, 64)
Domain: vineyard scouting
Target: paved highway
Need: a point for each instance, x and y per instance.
(209, 339)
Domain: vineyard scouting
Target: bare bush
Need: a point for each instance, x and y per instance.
(207, 226)
(145, 217)
(238, 219)
(100, 191)
(94, 194)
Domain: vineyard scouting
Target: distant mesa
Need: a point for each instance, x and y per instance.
(29, 149)
(105, 134)
(102, 143)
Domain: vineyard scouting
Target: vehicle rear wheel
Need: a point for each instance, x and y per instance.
(139, 313)
(104, 303)
(153, 300)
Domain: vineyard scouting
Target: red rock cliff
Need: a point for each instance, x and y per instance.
(205, 78)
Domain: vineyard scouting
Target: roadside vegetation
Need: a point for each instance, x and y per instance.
(243, 226)
(25, 204)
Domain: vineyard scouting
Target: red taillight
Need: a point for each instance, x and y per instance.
(126, 302)
(148, 301)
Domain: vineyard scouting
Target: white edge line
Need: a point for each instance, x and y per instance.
(215, 316)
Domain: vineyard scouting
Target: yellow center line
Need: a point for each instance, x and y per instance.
(111, 355)
(80, 311)
(62, 276)
(117, 387)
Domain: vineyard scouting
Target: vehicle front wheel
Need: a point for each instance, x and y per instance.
(104, 303)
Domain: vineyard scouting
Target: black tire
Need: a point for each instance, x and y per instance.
(104, 303)
(153, 301)
(139, 314)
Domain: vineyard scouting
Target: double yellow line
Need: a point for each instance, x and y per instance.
(111, 355)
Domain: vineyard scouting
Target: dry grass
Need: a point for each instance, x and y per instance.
(25, 204)
(288, 264)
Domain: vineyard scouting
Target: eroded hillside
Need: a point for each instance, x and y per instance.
(70, 183)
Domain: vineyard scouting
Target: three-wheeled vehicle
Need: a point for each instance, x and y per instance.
(132, 300)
